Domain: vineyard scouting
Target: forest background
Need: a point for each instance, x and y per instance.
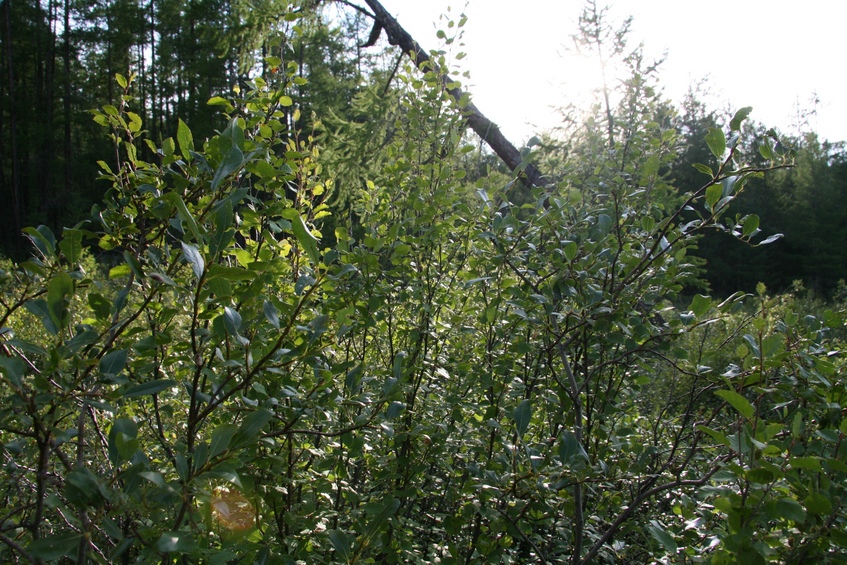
(296, 307)
(59, 60)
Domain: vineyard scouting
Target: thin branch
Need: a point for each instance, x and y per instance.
(636, 504)
(484, 128)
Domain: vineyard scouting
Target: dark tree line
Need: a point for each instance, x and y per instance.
(807, 204)
(59, 62)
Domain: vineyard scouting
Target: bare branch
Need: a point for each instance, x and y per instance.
(484, 128)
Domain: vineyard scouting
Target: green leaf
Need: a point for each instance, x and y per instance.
(43, 239)
(738, 402)
(389, 507)
(133, 264)
(817, 503)
(60, 289)
(570, 249)
(751, 225)
(232, 156)
(740, 116)
(713, 194)
(119, 271)
(651, 166)
(770, 239)
(83, 488)
(714, 434)
(271, 313)
(716, 140)
(342, 543)
(571, 451)
(662, 536)
(604, 223)
(185, 140)
(127, 446)
(700, 304)
(184, 214)
(194, 258)
(168, 147)
(354, 377)
(221, 439)
(704, 169)
(39, 308)
(232, 321)
(809, 463)
(13, 368)
(251, 427)
(231, 273)
(123, 428)
(157, 478)
(55, 547)
(398, 365)
(522, 416)
(303, 281)
(766, 151)
(71, 245)
(790, 509)
(150, 387)
(760, 475)
(303, 235)
(81, 339)
(114, 362)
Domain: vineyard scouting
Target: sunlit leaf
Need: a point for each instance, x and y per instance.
(739, 117)
(185, 139)
(716, 140)
(751, 225)
(700, 304)
(741, 404)
(71, 245)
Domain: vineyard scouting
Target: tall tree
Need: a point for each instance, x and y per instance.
(10, 167)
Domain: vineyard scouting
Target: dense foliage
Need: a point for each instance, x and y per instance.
(457, 370)
(59, 59)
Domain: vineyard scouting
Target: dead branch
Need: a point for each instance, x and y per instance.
(482, 126)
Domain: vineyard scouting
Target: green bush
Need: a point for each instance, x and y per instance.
(462, 380)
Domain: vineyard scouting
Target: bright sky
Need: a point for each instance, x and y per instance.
(774, 55)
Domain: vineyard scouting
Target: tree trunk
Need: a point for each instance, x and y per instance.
(44, 159)
(484, 128)
(13, 188)
(66, 102)
(154, 68)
